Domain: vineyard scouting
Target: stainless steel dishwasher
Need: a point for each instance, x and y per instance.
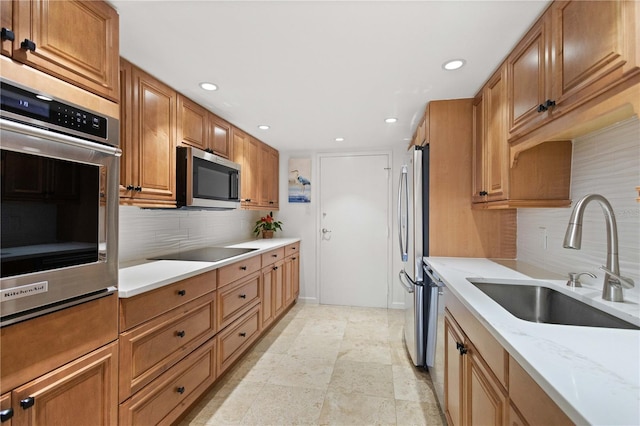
(435, 289)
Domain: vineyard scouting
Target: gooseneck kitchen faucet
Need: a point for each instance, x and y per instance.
(613, 281)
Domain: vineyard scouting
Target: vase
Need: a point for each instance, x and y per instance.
(267, 234)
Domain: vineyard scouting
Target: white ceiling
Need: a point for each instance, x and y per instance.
(317, 70)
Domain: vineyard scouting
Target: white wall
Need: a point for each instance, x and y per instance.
(606, 162)
(301, 220)
(146, 233)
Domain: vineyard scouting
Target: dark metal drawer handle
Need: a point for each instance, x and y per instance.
(242, 296)
(182, 292)
(274, 255)
(7, 34)
(243, 334)
(275, 268)
(180, 390)
(6, 415)
(244, 268)
(27, 402)
(180, 333)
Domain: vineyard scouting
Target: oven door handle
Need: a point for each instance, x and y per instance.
(39, 133)
(435, 280)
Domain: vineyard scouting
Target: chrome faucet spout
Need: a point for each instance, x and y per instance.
(611, 290)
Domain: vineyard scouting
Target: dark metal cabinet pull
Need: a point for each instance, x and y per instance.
(182, 292)
(244, 268)
(6, 415)
(28, 45)
(242, 296)
(274, 255)
(180, 390)
(275, 268)
(7, 34)
(27, 402)
(243, 334)
(180, 333)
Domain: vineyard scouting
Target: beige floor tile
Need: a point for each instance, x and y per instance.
(287, 326)
(327, 328)
(284, 405)
(371, 316)
(395, 316)
(412, 384)
(302, 371)
(362, 331)
(326, 312)
(255, 367)
(365, 351)
(357, 409)
(419, 413)
(315, 346)
(362, 377)
(400, 356)
(275, 343)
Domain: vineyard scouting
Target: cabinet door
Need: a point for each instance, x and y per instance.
(77, 41)
(154, 136)
(288, 280)
(528, 72)
(129, 150)
(268, 163)
(83, 392)
(497, 154)
(278, 287)
(245, 153)
(219, 136)
(594, 44)
(295, 276)
(486, 403)
(192, 123)
(6, 20)
(478, 164)
(453, 364)
(266, 297)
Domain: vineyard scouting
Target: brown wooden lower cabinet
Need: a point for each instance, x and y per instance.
(236, 338)
(494, 390)
(162, 401)
(83, 392)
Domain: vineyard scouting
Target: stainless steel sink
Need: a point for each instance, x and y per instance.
(545, 305)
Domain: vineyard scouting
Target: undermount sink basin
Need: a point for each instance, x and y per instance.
(545, 305)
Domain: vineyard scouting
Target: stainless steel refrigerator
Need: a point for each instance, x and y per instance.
(422, 291)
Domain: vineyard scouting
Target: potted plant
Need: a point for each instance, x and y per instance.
(267, 225)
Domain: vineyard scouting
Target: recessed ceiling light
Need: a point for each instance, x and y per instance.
(263, 127)
(208, 86)
(339, 139)
(390, 120)
(454, 64)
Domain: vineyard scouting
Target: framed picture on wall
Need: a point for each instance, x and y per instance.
(299, 180)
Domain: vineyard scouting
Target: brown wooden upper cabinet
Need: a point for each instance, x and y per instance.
(149, 140)
(268, 159)
(76, 41)
(200, 128)
(575, 52)
(541, 175)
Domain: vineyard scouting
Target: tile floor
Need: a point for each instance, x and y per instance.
(323, 364)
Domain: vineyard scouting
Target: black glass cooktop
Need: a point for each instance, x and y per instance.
(207, 254)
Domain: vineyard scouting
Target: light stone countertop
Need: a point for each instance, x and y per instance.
(593, 374)
(139, 277)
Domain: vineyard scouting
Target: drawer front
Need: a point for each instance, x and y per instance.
(235, 271)
(234, 299)
(272, 257)
(291, 249)
(138, 309)
(237, 337)
(164, 400)
(148, 350)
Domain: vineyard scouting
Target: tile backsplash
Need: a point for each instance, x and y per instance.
(147, 232)
(605, 162)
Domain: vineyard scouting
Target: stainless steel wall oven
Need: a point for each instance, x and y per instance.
(59, 204)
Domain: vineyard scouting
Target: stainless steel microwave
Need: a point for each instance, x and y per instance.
(206, 181)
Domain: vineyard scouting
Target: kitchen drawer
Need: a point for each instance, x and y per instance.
(151, 348)
(272, 256)
(291, 249)
(236, 338)
(166, 398)
(234, 299)
(235, 271)
(138, 309)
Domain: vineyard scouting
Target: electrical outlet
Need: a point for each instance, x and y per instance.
(542, 237)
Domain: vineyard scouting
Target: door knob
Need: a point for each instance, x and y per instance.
(325, 231)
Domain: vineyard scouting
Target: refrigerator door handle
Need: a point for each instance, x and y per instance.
(404, 245)
(409, 288)
(436, 281)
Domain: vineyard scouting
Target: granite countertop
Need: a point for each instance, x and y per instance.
(593, 374)
(139, 277)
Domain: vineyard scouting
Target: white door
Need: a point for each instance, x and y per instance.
(355, 229)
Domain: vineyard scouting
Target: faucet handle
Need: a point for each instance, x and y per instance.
(624, 281)
(574, 278)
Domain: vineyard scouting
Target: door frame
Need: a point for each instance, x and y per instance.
(390, 170)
